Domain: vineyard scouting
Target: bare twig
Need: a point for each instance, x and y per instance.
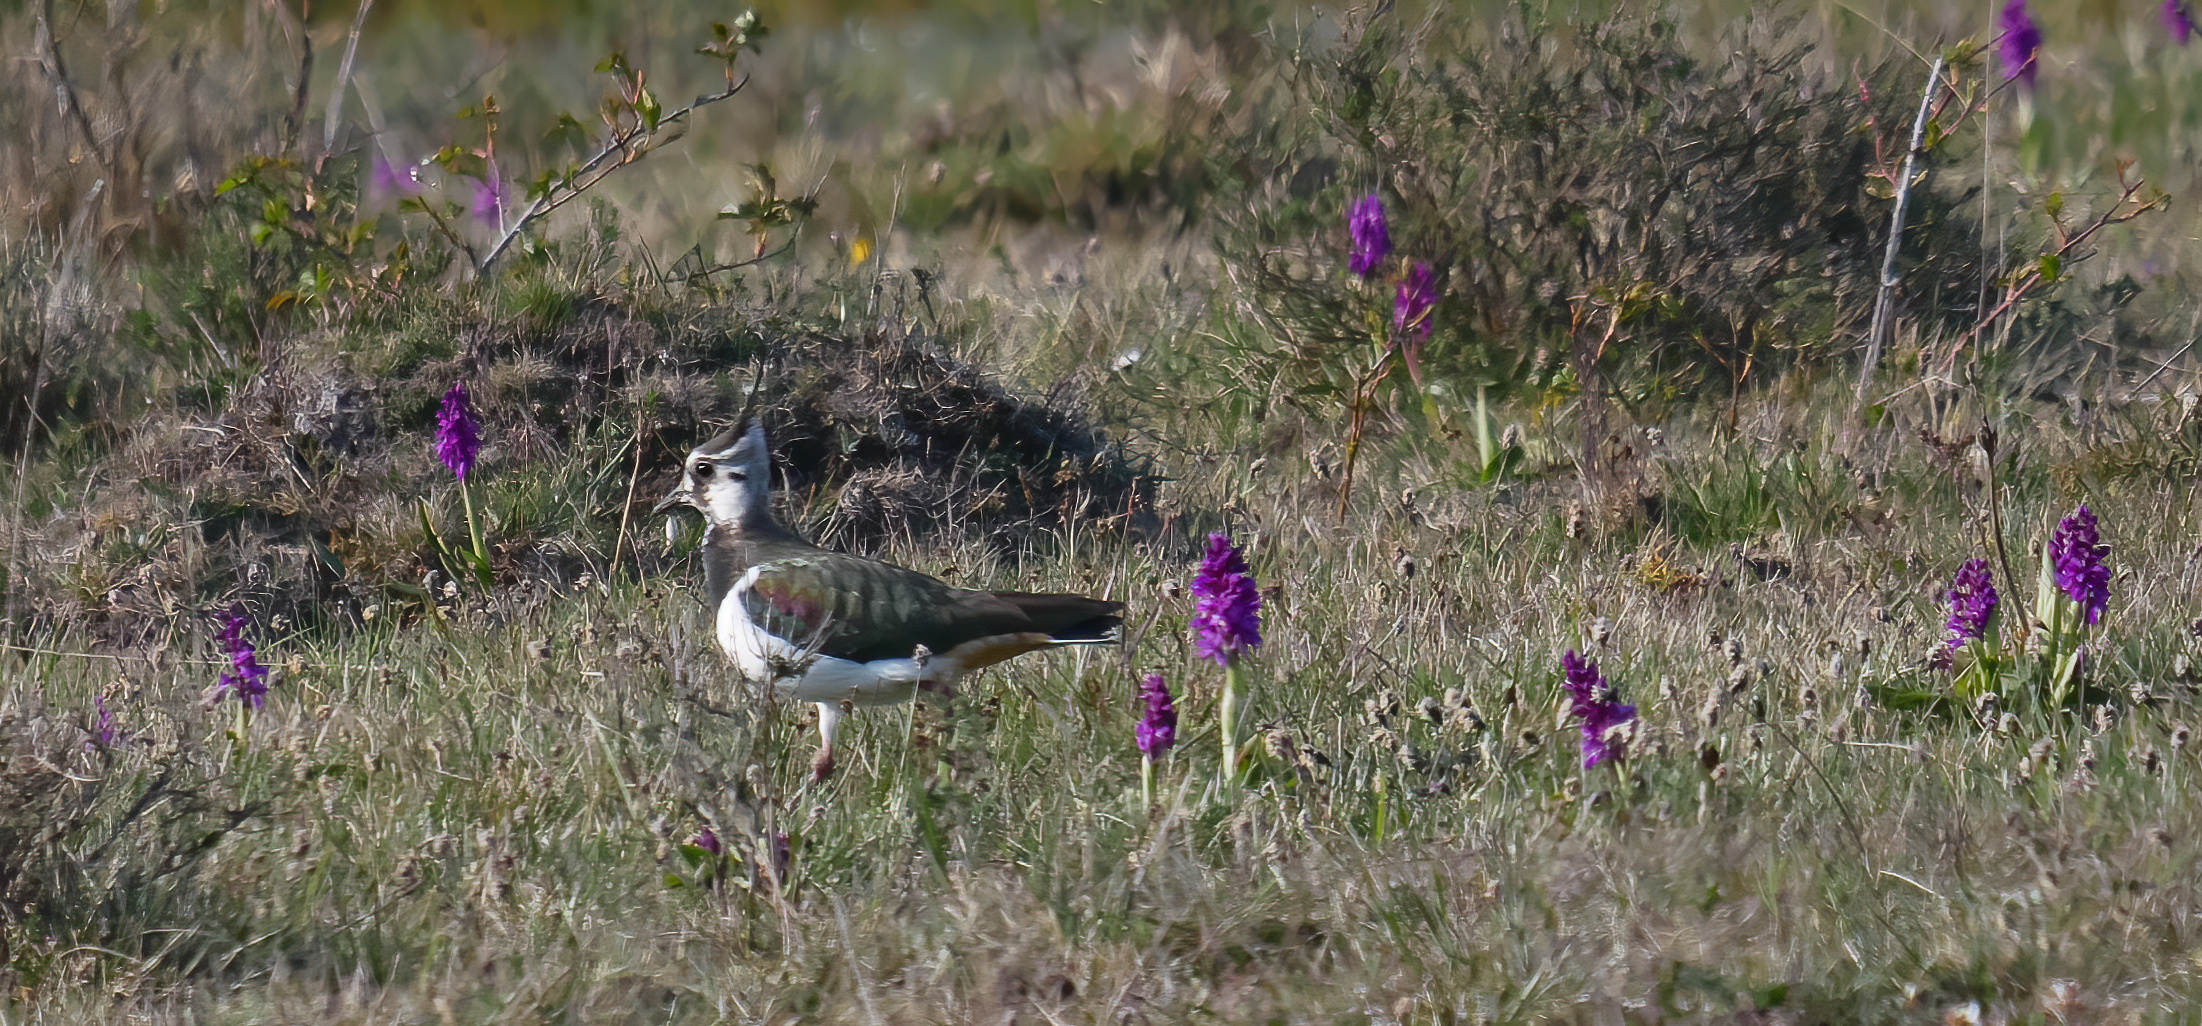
(333, 116)
(1364, 392)
(693, 276)
(2164, 366)
(22, 474)
(623, 145)
(634, 475)
(1884, 298)
(450, 235)
(295, 120)
(2026, 281)
(49, 62)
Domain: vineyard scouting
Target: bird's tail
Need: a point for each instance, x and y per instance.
(1070, 619)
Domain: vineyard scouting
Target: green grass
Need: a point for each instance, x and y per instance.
(462, 807)
(429, 820)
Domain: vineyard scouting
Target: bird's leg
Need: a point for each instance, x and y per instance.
(829, 721)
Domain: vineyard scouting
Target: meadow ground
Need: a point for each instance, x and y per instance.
(477, 787)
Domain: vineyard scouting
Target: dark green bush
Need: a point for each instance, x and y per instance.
(1598, 199)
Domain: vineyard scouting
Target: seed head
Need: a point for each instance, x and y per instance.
(1431, 710)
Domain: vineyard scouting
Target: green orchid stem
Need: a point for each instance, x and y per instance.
(2064, 652)
(1228, 717)
(474, 534)
(1147, 783)
(1383, 806)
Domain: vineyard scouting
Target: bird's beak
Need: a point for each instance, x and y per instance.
(680, 497)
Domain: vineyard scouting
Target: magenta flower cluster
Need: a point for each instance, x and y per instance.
(391, 179)
(488, 201)
(2178, 21)
(1227, 610)
(2080, 561)
(105, 733)
(1372, 236)
(1417, 297)
(458, 438)
(245, 676)
(1973, 600)
(1416, 294)
(708, 840)
(1595, 705)
(1158, 727)
(2018, 49)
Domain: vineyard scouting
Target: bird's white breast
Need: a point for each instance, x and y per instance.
(790, 668)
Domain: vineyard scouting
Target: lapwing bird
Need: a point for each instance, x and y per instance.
(841, 630)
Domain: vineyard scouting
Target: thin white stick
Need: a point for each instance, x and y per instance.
(329, 119)
(1884, 299)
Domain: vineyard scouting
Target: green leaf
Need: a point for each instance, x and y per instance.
(762, 180)
(567, 131)
(2049, 266)
(428, 527)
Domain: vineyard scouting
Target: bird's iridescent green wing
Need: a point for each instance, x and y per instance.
(853, 608)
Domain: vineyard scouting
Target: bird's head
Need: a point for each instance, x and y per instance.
(728, 478)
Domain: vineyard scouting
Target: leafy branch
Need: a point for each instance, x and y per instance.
(2049, 267)
(637, 124)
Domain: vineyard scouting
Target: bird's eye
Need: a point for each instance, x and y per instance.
(703, 470)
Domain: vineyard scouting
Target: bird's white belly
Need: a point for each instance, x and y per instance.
(809, 677)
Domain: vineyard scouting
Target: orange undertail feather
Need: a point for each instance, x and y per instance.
(979, 652)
